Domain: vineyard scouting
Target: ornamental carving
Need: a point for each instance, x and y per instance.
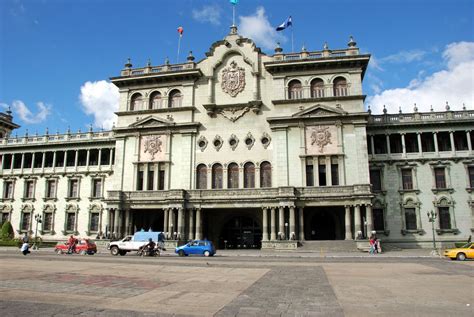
(233, 113)
(321, 137)
(152, 145)
(233, 79)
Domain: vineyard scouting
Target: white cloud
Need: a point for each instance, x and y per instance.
(210, 13)
(404, 57)
(100, 99)
(453, 84)
(25, 114)
(258, 28)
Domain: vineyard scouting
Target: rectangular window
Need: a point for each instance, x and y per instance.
(470, 170)
(309, 175)
(70, 221)
(376, 180)
(8, 190)
(151, 177)
(140, 178)
(407, 179)
(51, 188)
(379, 222)
(48, 221)
(161, 180)
(30, 189)
(440, 177)
(444, 218)
(5, 216)
(335, 174)
(94, 225)
(410, 218)
(322, 174)
(73, 188)
(97, 188)
(25, 221)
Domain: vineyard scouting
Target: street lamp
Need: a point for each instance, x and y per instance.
(38, 220)
(286, 231)
(171, 231)
(432, 218)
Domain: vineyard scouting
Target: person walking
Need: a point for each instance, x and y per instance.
(372, 245)
(71, 244)
(25, 248)
(25, 238)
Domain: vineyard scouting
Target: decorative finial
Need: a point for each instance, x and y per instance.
(415, 108)
(303, 49)
(167, 61)
(233, 29)
(129, 63)
(57, 131)
(79, 130)
(400, 109)
(431, 108)
(384, 110)
(26, 133)
(36, 133)
(68, 130)
(47, 131)
(190, 57)
(113, 125)
(369, 110)
(447, 106)
(9, 111)
(148, 63)
(278, 48)
(325, 47)
(90, 128)
(351, 43)
(463, 106)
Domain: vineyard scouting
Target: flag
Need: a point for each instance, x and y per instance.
(234, 2)
(180, 31)
(288, 22)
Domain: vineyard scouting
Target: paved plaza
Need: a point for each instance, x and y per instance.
(234, 284)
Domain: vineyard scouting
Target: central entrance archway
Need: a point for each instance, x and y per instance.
(325, 223)
(241, 232)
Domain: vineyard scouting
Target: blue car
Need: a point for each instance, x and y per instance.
(199, 247)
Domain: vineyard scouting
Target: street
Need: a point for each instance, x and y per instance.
(45, 284)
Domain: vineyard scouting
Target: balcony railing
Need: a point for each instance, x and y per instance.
(157, 69)
(421, 117)
(58, 138)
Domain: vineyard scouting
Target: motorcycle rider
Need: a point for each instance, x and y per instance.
(150, 246)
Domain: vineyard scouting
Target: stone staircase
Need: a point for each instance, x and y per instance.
(328, 246)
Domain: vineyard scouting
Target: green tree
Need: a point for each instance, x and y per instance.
(7, 231)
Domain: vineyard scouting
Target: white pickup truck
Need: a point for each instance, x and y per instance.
(125, 245)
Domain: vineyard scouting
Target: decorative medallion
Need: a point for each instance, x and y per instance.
(321, 136)
(249, 140)
(233, 79)
(265, 139)
(217, 142)
(233, 142)
(202, 143)
(152, 145)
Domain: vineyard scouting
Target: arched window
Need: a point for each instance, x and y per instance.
(295, 90)
(340, 87)
(317, 88)
(175, 98)
(155, 100)
(249, 175)
(265, 174)
(233, 176)
(136, 102)
(216, 176)
(201, 176)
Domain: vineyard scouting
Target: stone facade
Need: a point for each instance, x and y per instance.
(247, 150)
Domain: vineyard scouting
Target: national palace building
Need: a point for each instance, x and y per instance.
(248, 150)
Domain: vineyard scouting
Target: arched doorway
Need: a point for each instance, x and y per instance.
(241, 232)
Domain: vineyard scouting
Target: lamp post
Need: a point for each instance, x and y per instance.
(432, 218)
(38, 220)
(171, 231)
(286, 231)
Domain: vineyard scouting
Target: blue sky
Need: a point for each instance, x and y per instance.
(422, 50)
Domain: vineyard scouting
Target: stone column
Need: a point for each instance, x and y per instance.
(420, 144)
(387, 138)
(99, 158)
(116, 223)
(368, 216)
(88, 155)
(180, 223)
(198, 224)
(23, 161)
(357, 223)
(32, 163)
(109, 222)
(265, 224)
(435, 140)
(145, 176)
(76, 159)
(372, 146)
(292, 223)
(469, 144)
(348, 223)
(165, 221)
(301, 223)
(209, 89)
(272, 224)
(127, 221)
(404, 148)
(281, 220)
(171, 225)
(64, 161)
(191, 224)
(453, 145)
(328, 170)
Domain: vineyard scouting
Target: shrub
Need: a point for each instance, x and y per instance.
(7, 231)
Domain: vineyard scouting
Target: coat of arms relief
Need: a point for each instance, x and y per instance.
(233, 79)
(152, 145)
(321, 137)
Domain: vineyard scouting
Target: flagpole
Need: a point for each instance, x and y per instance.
(233, 15)
(179, 46)
(292, 45)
